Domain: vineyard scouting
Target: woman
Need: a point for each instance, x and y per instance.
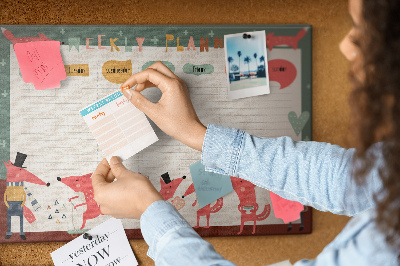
(360, 182)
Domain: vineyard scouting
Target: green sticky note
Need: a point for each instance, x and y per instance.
(209, 186)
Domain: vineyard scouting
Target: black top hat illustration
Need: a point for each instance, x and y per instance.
(166, 178)
(20, 159)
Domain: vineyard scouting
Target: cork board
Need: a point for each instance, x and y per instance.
(330, 90)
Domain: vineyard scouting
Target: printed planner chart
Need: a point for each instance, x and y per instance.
(56, 138)
(118, 126)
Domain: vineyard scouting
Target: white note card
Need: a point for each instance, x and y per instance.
(109, 246)
(118, 126)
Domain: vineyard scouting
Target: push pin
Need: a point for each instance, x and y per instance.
(87, 236)
(246, 36)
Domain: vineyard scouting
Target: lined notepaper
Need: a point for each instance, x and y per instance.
(119, 127)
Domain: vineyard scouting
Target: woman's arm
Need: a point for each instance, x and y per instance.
(313, 173)
(171, 240)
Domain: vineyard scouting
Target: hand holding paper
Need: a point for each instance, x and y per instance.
(127, 197)
(174, 113)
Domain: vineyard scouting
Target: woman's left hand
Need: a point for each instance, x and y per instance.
(127, 197)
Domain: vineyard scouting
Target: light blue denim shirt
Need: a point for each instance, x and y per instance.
(312, 173)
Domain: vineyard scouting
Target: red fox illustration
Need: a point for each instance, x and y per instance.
(83, 184)
(206, 210)
(169, 187)
(247, 197)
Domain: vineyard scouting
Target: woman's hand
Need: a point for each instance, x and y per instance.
(127, 197)
(173, 113)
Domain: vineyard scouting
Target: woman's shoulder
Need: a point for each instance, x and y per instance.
(361, 240)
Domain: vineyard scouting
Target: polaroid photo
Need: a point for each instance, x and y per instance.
(246, 64)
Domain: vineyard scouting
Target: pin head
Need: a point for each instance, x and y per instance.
(87, 236)
(246, 36)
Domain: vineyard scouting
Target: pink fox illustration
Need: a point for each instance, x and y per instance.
(272, 40)
(206, 210)
(15, 196)
(247, 197)
(83, 184)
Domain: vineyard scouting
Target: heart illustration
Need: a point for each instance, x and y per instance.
(298, 123)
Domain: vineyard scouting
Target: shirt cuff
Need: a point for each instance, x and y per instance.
(222, 148)
(158, 219)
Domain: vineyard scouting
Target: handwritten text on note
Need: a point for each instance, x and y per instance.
(41, 63)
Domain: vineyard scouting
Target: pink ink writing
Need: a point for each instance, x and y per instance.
(122, 102)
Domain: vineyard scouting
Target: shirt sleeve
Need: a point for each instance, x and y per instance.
(313, 173)
(172, 241)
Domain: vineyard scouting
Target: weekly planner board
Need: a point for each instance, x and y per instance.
(48, 152)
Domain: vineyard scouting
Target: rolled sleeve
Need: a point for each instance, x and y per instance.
(221, 149)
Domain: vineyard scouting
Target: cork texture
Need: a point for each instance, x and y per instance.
(330, 22)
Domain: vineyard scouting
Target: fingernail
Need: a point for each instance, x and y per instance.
(128, 94)
(124, 88)
(115, 160)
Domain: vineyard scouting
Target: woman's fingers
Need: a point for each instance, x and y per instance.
(160, 67)
(110, 177)
(159, 80)
(142, 86)
(141, 102)
(100, 174)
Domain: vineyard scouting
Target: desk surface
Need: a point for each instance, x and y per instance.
(330, 23)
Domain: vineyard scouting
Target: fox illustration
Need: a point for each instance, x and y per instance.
(83, 184)
(169, 187)
(206, 210)
(272, 40)
(248, 206)
(15, 196)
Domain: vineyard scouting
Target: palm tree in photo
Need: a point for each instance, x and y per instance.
(255, 57)
(247, 60)
(262, 70)
(230, 60)
(262, 59)
(239, 54)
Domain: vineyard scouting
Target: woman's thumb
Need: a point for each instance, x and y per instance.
(138, 100)
(116, 166)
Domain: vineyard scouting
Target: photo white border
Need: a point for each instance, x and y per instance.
(247, 92)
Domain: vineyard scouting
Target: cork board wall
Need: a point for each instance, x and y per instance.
(330, 21)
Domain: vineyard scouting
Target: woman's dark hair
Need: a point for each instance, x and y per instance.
(375, 103)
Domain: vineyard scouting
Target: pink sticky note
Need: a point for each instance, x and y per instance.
(41, 63)
(284, 209)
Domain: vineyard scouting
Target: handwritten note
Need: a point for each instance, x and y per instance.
(119, 127)
(284, 209)
(40, 63)
(209, 186)
(108, 246)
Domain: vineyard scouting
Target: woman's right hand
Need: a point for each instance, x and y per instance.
(174, 112)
